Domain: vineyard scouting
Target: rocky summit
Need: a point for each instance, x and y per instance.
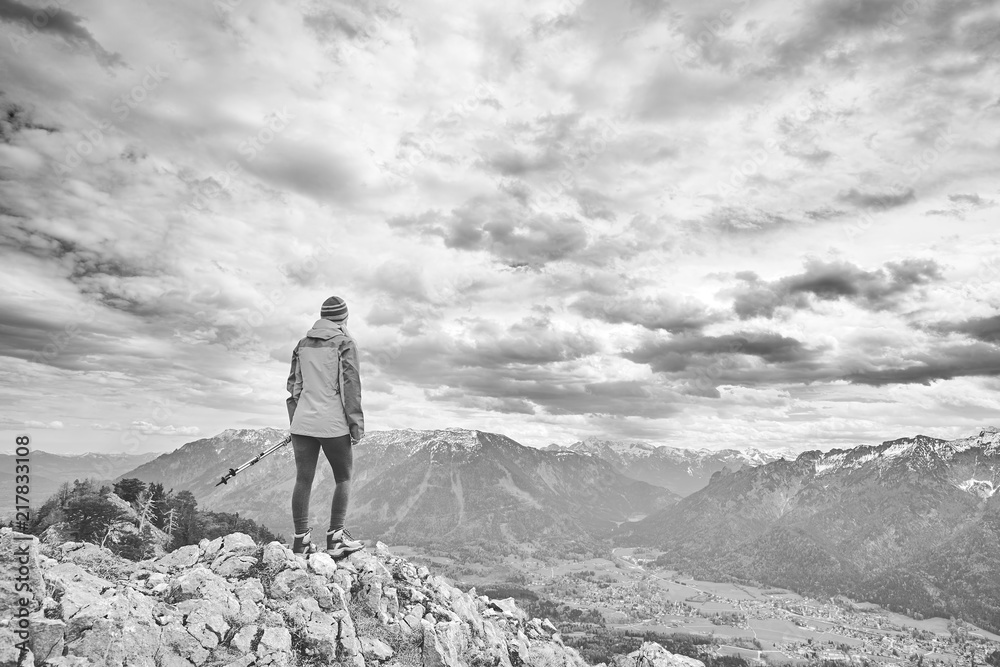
(231, 602)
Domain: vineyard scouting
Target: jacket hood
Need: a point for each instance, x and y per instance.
(327, 329)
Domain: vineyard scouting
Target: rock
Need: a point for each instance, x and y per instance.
(68, 661)
(115, 629)
(445, 643)
(277, 556)
(209, 549)
(206, 625)
(244, 638)
(509, 608)
(233, 566)
(322, 564)
(371, 591)
(180, 610)
(275, 640)
(235, 556)
(245, 661)
(181, 559)
(203, 584)
(47, 637)
(292, 584)
(373, 649)
(249, 590)
(317, 630)
(389, 604)
(77, 587)
(412, 622)
(274, 648)
(494, 645)
(465, 608)
(19, 563)
(651, 654)
(155, 579)
(545, 653)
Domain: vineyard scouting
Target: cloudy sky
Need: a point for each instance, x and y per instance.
(703, 223)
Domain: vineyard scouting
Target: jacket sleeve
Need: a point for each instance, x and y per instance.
(350, 374)
(294, 384)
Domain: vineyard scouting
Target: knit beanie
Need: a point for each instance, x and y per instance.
(334, 309)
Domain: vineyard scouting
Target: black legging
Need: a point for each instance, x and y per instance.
(341, 457)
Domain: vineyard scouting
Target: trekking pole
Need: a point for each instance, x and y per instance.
(235, 471)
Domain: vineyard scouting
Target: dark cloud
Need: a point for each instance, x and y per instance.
(741, 220)
(594, 205)
(358, 22)
(827, 22)
(943, 363)
(306, 168)
(517, 163)
(830, 281)
(698, 365)
(846, 34)
(506, 231)
(527, 367)
(816, 156)
(662, 312)
(985, 329)
(677, 354)
(876, 200)
(58, 22)
(824, 213)
(673, 93)
(973, 200)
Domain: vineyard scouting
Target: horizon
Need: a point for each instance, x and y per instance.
(775, 450)
(710, 222)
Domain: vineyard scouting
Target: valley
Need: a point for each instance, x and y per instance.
(761, 625)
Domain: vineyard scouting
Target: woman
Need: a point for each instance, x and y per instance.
(325, 413)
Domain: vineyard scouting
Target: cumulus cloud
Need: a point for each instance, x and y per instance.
(946, 362)
(509, 234)
(830, 281)
(876, 199)
(10, 424)
(56, 21)
(985, 329)
(523, 243)
(660, 312)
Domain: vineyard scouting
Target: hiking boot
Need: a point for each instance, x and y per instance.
(302, 544)
(339, 543)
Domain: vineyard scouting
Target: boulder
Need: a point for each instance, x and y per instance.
(276, 557)
(201, 588)
(47, 636)
(200, 605)
(651, 654)
(322, 564)
(508, 607)
(292, 584)
(375, 650)
(445, 643)
(181, 559)
(19, 564)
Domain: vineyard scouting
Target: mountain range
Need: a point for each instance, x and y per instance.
(912, 524)
(681, 470)
(445, 487)
(49, 471)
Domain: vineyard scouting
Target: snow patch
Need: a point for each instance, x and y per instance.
(983, 488)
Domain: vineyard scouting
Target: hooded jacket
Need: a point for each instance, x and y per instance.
(325, 384)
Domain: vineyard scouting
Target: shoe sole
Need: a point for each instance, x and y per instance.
(340, 553)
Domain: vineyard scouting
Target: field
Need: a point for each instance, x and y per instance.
(776, 625)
